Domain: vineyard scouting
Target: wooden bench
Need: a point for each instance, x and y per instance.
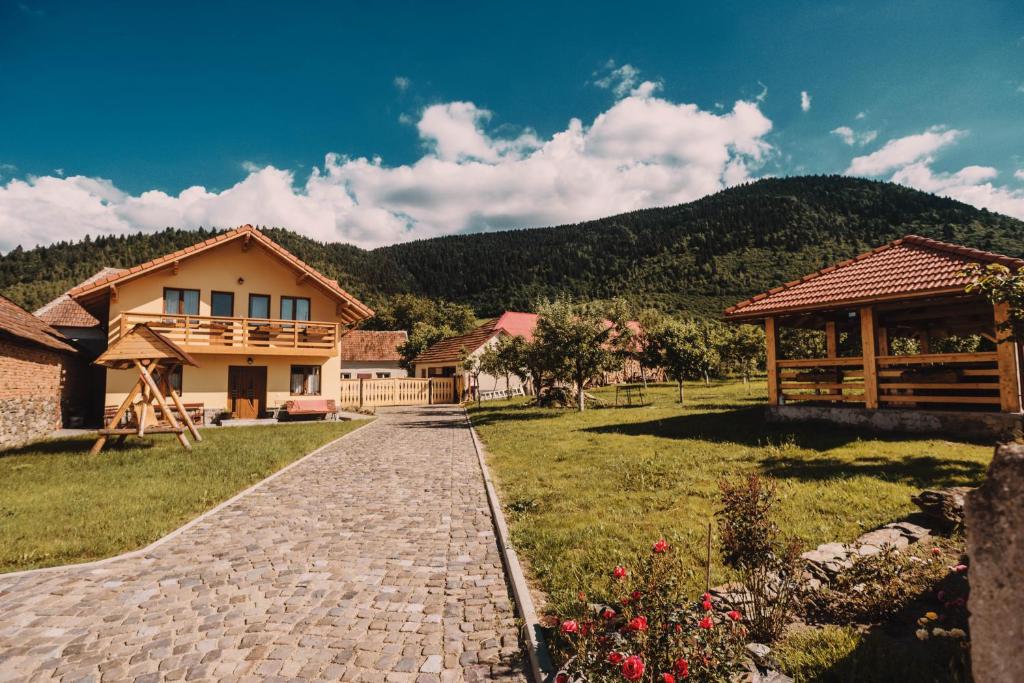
(311, 406)
(196, 411)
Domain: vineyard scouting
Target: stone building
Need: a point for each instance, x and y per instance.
(34, 359)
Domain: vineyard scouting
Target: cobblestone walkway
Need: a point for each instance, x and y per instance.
(373, 560)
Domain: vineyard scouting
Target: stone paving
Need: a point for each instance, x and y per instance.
(374, 560)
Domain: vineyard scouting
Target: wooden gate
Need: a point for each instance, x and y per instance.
(396, 391)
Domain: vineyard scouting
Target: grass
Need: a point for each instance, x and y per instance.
(59, 505)
(583, 492)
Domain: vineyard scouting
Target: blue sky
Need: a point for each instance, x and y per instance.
(383, 122)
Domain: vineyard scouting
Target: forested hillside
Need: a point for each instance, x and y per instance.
(696, 257)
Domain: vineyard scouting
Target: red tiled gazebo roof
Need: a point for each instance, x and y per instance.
(905, 268)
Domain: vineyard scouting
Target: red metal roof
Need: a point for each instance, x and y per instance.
(518, 324)
(361, 310)
(371, 345)
(908, 267)
(16, 322)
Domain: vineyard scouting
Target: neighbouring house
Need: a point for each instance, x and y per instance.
(444, 359)
(89, 335)
(33, 379)
(372, 354)
(264, 327)
(895, 322)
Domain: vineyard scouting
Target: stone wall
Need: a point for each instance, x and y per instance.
(971, 424)
(995, 545)
(31, 379)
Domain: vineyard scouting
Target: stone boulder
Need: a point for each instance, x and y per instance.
(995, 545)
(944, 506)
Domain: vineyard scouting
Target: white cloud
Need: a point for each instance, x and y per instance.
(1019, 174)
(620, 80)
(805, 101)
(851, 137)
(763, 95)
(903, 151)
(402, 83)
(971, 184)
(643, 151)
(860, 115)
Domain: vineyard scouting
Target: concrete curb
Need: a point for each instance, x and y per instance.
(182, 529)
(541, 667)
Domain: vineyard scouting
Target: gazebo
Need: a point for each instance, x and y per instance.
(895, 321)
(145, 409)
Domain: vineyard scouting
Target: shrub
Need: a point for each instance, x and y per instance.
(751, 544)
(643, 628)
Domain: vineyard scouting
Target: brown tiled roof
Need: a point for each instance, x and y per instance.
(371, 345)
(66, 312)
(907, 267)
(360, 310)
(16, 322)
(450, 350)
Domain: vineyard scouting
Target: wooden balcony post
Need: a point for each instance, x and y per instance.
(771, 337)
(1006, 357)
(832, 351)
(868, 338)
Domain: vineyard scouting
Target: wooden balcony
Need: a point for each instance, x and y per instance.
(249, 336)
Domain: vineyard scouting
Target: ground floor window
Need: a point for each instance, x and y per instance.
(383, 375)
(174, 378)
(346, 375)
(305, 380)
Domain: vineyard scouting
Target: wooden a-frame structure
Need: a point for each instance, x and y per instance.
(154, 356)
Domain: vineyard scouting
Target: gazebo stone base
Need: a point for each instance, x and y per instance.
(974, 425)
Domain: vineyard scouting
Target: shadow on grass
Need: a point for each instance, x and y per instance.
(75, 445)
(920, 471)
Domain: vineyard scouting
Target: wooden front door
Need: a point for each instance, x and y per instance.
(247, 390)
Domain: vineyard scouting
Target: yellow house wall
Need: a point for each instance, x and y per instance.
(219, 270)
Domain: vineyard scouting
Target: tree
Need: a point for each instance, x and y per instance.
(1000, 285)
(682, 347)
(492, 363)
(577, 343)
(471, 364)
(421, 337)
(405, 311)
(743, 350)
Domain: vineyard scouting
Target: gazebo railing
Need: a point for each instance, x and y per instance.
(821, 379)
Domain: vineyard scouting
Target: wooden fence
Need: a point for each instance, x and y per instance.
(397, 391)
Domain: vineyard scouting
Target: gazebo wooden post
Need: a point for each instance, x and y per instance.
(163, 405)
(832, 351)
(1006, 357)
(771, 336)
(868, 339)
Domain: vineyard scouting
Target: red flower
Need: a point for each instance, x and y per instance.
(679, 628)
(633, 668)
(620, 572)
(734, 615)
(581, 596)
(936, 551)
(616, 657)
(660, 546)
(706, 605)
(668, 678)
(636, 595)
(562, 678)
(585, 628)
(608, 613)
(638, 623)
(706, 596)
(683, 667)
(570, 626)
(706, 623)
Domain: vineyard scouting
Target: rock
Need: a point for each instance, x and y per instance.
(946, 506)
(760, 653)
(913, 532)
(995, 543)
(887, 535)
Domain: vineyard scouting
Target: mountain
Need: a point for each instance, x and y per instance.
(697, 257)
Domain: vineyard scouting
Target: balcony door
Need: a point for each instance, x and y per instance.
(247, 391)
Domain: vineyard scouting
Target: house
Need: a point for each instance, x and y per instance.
(263, 326)
(34, 359)
(444, 359)
(902, 314)
(372, 354)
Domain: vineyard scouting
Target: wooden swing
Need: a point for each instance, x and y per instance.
(155, 357)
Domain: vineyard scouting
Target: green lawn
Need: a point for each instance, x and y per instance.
(583, 492)
(59, 505)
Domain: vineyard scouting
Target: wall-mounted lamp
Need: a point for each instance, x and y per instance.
(241, 280)
(248, 361)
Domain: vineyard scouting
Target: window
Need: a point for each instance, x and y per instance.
(305, 380)
(222, 304)
(346, 375)
(294, 308)
(174, 378)
(181, 301)
(259, 306)
(383, 375)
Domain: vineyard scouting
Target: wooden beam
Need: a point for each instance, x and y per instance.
(301, 277)
(831, 339)
(175, 267)
(163, 405)
(247, 242)
(113, 293)
(867, 340)
(771, 335)
(1006, 358)
(96, 447)
(883, 341)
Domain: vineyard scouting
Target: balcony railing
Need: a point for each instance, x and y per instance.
(207, 334)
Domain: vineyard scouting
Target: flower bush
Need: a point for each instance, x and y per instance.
(641, 627)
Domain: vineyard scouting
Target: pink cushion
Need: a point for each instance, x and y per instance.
(310, 405)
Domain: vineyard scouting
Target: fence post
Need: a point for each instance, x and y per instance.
(430, 392)
(361, 380)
